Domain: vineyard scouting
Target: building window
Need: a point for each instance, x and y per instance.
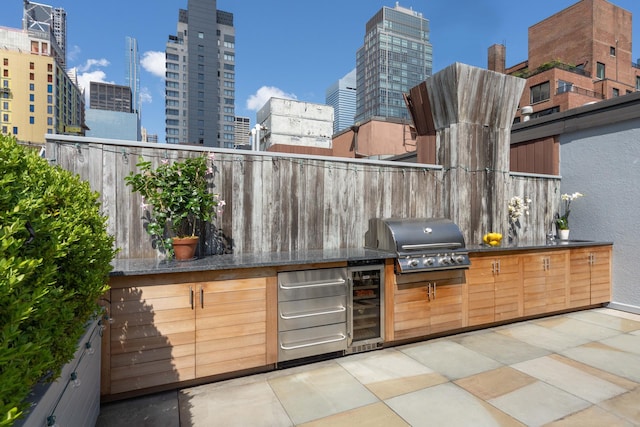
(15, 130)
(5, 105)
(612, 51)
(600, 70)
(32, 108)
(616, 92)
(50, 68)
(540, 92)
(50, 121)
(5, 61)
(32, 66)
(564, 86)
(637, 82)
(32, 120)
(49, 88)
(5, 73)
(32, 76)
(32, 86)
(200, 35)
(5, 117)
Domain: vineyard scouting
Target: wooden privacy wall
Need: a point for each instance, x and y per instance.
(277, 202)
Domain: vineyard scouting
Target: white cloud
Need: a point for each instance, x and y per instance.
(154, 62)
(145, 96)
(258, 99)
(102, 62)
(72, 54)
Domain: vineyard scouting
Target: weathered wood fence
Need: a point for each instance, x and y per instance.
(279, 202)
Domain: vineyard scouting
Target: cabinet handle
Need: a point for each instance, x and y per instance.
(592, 258)
(493, 267)
(499, 267)
(434, 290)
(201, 297)
(191, 297)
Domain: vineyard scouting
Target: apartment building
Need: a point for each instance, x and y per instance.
(580, 55)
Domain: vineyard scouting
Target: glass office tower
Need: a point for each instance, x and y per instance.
(396, 56)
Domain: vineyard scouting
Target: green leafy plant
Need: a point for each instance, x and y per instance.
(176, 196)
(55, 259)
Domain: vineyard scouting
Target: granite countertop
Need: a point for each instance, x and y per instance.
(133, 267)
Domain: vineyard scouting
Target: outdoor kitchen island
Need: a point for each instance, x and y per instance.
(176, 324)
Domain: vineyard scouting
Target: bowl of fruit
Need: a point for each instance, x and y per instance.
(492, 239)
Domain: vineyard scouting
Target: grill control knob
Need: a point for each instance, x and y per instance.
(429, 261)
(413, 263)
(459, 259)
(444, 260)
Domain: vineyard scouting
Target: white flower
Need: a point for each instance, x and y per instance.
(518, 206)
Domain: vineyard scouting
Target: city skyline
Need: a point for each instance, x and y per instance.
(286, 49)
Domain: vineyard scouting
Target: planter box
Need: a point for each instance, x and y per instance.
(74, 398)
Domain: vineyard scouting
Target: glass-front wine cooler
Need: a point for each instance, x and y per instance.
(366, 301)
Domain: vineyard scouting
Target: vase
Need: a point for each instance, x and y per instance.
(184, 248)
(563, 234)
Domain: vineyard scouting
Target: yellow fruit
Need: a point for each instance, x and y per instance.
(494, 243)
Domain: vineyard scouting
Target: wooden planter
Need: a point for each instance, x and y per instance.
(74, 398)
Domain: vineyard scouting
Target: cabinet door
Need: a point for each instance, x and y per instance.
(427, 303)
(580, 278)
(481, 291)
(600, 275)
(152, 337)
(557, 281)
(231, 325)
(411, 310)
(445, 307)
(508, 288)
(545, 282)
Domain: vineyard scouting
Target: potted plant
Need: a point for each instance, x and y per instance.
(177, 198)
(562, 220)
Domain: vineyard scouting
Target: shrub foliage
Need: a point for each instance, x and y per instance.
(55, 257)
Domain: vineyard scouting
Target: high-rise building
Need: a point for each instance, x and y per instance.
(200, 77)
(396, 56)
(48, 22)
(342, 97)
(132, 60)
(37, 96)
(108, 96)
(243, 132)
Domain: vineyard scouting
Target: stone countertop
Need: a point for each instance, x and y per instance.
(134, 267)
(535, 245)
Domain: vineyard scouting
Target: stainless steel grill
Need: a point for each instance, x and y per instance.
(421, 244)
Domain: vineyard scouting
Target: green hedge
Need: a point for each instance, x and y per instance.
(55, 258)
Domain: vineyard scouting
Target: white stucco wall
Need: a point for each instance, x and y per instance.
(603, 163)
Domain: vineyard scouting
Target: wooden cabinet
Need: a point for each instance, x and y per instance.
(427, 303)
(590, 278)
(545, 281)
(166, 330)
(494, 289)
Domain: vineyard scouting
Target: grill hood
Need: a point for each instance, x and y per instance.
(421, 244)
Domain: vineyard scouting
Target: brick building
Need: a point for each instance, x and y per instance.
(580, 55)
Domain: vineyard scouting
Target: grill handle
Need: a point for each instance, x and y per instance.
(316, 284)
(431, 246)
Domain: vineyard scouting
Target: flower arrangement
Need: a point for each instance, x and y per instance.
(176, 197)
(518, 206)
(562, 220)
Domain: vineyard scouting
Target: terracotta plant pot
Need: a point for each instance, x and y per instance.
(184, 248)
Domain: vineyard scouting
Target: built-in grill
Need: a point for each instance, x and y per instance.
(421, 244)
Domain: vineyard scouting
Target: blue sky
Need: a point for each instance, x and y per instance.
(286, 48)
